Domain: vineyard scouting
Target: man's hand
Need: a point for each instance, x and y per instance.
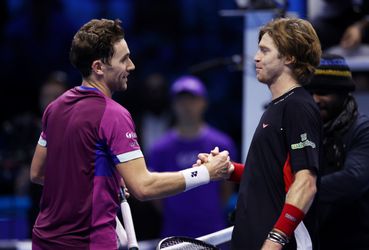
(218, 164)
(204, 157)
(123, 185)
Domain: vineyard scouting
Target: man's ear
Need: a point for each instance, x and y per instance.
(290, 60)
(97, 67)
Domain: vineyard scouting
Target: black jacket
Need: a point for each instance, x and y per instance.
(344, 193)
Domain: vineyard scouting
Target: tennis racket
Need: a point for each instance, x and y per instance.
(122, 235)
(209, 241)
(184, 243)
(128, 222)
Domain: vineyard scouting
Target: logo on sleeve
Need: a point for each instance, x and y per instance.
(132, 139)
(304, 143)
(131, 135)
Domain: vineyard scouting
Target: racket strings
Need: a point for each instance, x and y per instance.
(184, 243)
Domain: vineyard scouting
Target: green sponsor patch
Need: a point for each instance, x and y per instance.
(304, 143)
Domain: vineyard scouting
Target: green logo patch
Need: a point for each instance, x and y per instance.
(304, 143)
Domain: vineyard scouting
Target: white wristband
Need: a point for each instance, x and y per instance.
(196, 176)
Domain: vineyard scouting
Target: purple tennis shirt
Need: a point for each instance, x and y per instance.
(198, 211)
(86, 135)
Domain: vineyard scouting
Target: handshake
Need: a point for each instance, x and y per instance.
(217, 163)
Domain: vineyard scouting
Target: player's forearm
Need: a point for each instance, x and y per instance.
(298, 201)
(37, 165)
(159, 185)
(145, 185)
(302, 191)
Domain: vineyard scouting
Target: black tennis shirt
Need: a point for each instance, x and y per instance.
(287, 140)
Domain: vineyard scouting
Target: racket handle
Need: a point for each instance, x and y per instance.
(122, 235)
(128, 225)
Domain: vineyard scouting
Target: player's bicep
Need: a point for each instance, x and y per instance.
(37, 165)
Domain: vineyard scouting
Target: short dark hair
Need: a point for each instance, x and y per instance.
(296, 38)
(95, 40)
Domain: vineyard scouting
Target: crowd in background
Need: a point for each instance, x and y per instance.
(167, 39)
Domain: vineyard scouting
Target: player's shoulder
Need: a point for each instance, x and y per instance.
(301, 106)
(56, 104)
(112, 107)
(300, 97)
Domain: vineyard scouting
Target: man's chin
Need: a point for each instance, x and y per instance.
(123, 87)
(261, 80)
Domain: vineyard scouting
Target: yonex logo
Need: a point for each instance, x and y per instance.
(194, 174)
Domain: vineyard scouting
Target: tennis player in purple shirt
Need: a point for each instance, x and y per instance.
(88, 143)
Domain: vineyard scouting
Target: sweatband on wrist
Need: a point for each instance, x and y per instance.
(195, 177)
(237, 172)
(290, 218)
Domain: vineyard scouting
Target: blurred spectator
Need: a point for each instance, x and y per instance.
(155, 117)
(190, 214)
(17, 138)
(344, 187)
(55, 85)
(343, 23)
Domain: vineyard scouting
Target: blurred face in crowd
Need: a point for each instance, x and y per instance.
(49, 92)
(330, 104)
(189, 108)
(269, 64)
(117, 71)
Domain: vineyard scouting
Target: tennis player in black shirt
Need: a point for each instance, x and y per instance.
(275, 208)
